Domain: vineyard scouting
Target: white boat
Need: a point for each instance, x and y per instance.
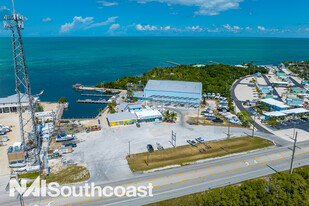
(64, 137)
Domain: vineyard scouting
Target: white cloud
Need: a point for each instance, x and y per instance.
(248, 28)
(261, 28)
(4, 8)
(106, 3)
(113, 27)
(206, 7)
(194, 28)
(306, 29)
(48, 19)
(104, 23)
(84, 23)
(4, 11)
(148, 27)
(232, 28)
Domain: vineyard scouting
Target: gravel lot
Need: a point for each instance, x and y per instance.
(104, 151)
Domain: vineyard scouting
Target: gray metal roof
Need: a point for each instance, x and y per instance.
(13, 99)
(135, 106)
(122, 106)
(121, 116)
(174, 86)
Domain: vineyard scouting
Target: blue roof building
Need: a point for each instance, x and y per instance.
(167, 91)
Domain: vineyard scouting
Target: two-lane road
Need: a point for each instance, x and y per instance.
(190, 179)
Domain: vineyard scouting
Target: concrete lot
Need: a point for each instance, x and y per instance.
(12, 119)
(9, 119)
(281, 90)
(245, 92)
(104, 151)
(261, 81)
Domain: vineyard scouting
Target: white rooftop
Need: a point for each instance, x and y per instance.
(13, 99)
(286, 112)
(296, 111)
(275, 103)
(275, 114)
(174, 86)
(148, 113)
(121, 116)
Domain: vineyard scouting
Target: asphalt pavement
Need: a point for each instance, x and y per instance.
(242, 108)
(190, 179)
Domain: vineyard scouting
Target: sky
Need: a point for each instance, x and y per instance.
(209, 18)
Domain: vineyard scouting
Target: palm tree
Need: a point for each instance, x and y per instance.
(167, 114)
(130, 94)
(173, 116)
(111, 108)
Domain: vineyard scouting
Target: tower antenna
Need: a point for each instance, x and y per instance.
(13, 7)
(27, 121)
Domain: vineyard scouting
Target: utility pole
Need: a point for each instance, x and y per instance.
(294, 126)
(147, 158)
(293, 154)
(253, 126)
(129, 149)
(198, 114)
(228, 136)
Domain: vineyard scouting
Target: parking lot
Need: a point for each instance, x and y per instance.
(299, 123)
(104, 151)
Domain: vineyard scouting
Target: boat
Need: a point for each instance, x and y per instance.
(66, 105)
(64, 137)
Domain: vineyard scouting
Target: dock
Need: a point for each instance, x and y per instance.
(93, 101)
(97, 95)
(212, 62)
(80, 87)
(173, 63)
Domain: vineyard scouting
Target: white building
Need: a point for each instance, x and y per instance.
(10, 104)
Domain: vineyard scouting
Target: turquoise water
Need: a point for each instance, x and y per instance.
(55, 64)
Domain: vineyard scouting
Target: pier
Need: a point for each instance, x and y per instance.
(80, 87)
(173, 63)
(97, 95)
(93, 101)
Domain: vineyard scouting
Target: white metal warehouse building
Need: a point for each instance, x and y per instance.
(168, 91)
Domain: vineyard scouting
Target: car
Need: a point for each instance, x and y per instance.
(70, 145)
(217, 120)
(159, 146)
(150, 148)
(191, 142)
(200, 140)
(305, 118)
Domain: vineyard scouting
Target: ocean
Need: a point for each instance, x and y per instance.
(55, 64)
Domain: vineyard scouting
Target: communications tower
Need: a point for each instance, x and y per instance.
(27, 121)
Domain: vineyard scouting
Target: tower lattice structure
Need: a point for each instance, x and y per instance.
(15, 23)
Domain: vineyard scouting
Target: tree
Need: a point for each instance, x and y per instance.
(62, 100)
(129, 94)
(111, 108)
(100, 110)
(167, 114)
(39, 108)
(173, 116)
